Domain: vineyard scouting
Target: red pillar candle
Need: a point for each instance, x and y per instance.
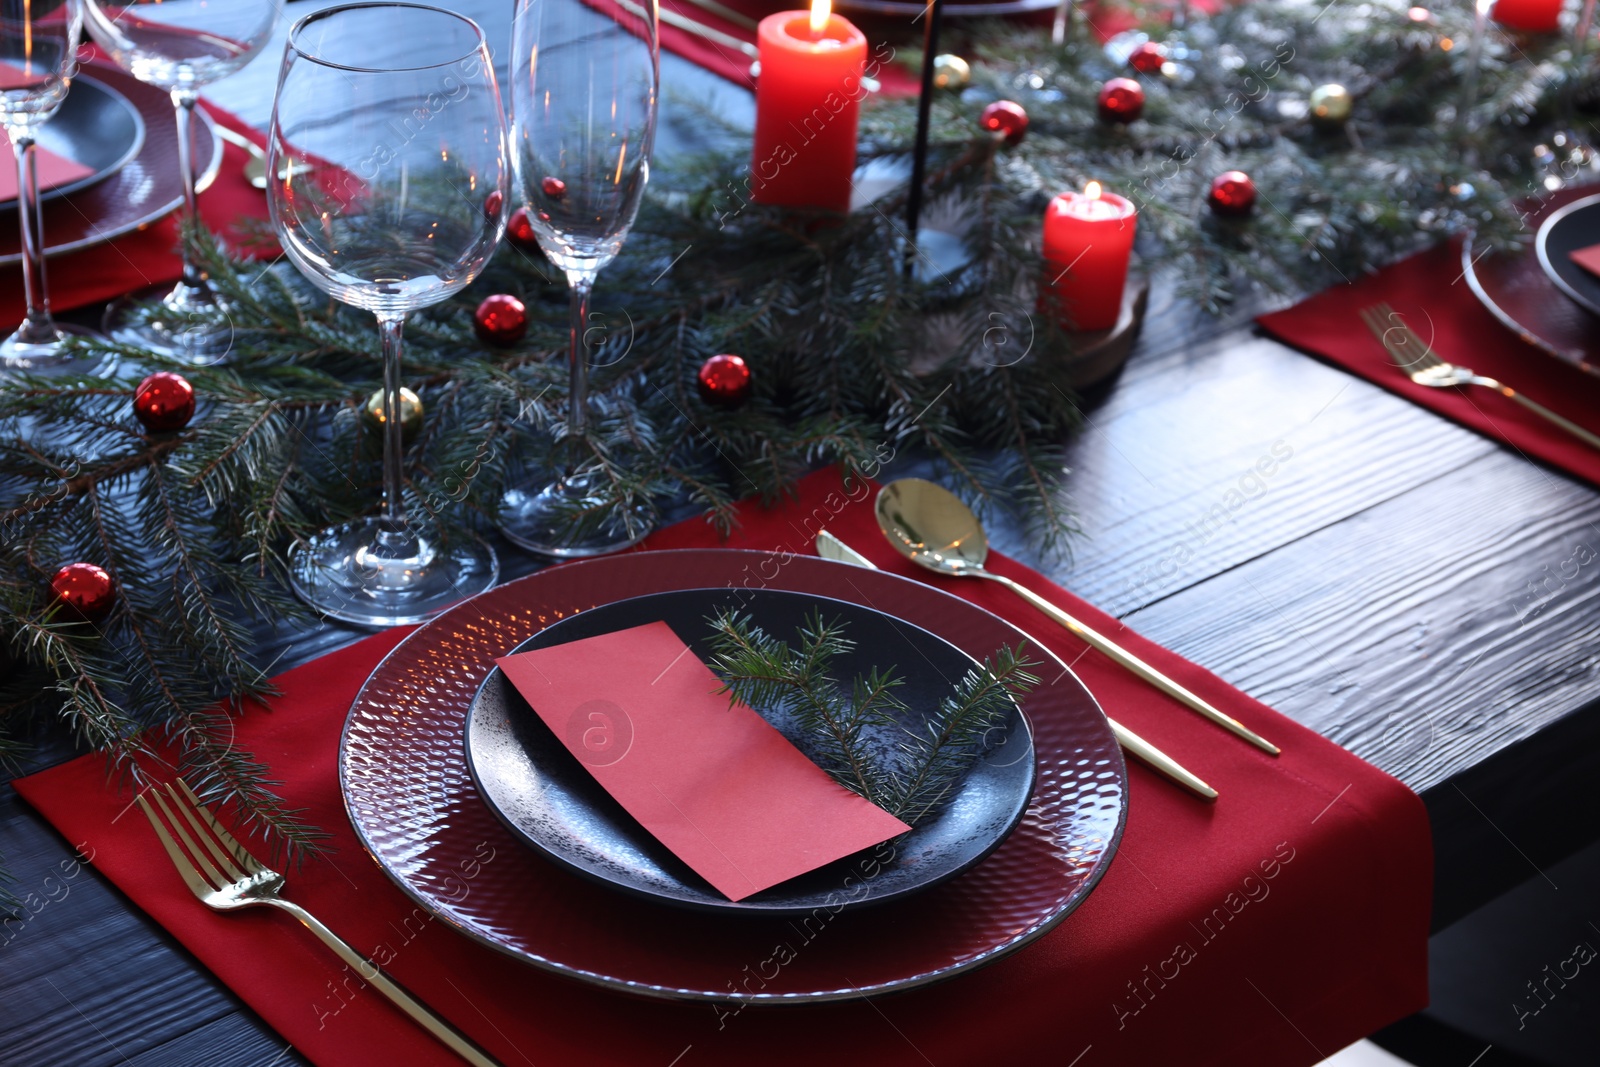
(1531, 16)
(807, 100)
(1088, 239)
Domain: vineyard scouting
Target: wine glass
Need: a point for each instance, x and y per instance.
(180, 46)
(388, 117)
(584, 82)
(38, 57)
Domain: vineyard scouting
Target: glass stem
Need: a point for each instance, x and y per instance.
(183, 101)
(396, 540)
(578, 359)
(37, 327)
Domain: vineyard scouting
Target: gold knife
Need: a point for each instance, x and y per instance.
(830, 547)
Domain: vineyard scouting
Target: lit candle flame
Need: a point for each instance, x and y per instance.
(1092, 190)
(820, 10)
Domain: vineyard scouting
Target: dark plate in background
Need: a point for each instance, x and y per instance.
(148, 187)
(1570, 228)
(548, 798)
(96, 127)
(1518, 292)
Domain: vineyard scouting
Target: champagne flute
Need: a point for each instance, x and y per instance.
(584, 83)
(180, 46)
(387, 138)
(38, 57)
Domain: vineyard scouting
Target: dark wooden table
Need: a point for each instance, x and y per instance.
(1380, 589)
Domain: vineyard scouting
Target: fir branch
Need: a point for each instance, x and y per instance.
(839, 730)
(953, 738)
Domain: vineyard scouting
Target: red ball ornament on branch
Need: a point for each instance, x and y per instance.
(724, 380)
(1121, 101)
(500, 320)
(1148, 58)
(164, 402)
(1005, 117)
(85, 590)
(493, 203)
(1233, 194)
(519, 231)
(553, 187)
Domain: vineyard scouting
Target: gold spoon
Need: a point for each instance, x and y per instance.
(830, 547)
(930, 526)
(255, 168)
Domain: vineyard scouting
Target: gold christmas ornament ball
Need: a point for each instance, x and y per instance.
(1331, 104)
(410, 413)
(951, 72)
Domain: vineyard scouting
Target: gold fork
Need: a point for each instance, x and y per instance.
(225, 876)
(1424, 367)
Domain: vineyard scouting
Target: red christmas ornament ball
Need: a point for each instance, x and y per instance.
(519, 231)
(554, 188)
(724, 380)
(1121, 100)
(500, 320)
(493, 203)
(164, 402)
(1233, 194)
(85, 589)
(1005, 117)
(1148, 58)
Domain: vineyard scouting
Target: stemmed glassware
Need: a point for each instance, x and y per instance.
(180, 46)
(389, 117)
(584, 83)
(38, 57)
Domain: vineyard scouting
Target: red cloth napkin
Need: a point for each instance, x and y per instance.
(1270, 928)
(1462, 331)
(52, 170)
(145, 257)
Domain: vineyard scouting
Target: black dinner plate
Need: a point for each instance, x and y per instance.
(96, 127)
(548, 798)
(1573, 227)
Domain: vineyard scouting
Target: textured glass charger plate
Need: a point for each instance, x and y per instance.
(142, 190)
(97, 127)
(1521, 291)
(546, 796)
(413, 804)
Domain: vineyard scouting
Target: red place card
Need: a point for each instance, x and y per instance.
(1587, 258)
(714, 782)
(53, 170)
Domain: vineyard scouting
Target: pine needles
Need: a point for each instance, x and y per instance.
(928, 751)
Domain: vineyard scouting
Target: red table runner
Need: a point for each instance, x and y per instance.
(144, 257)
(1460, 330)
(1272, 927)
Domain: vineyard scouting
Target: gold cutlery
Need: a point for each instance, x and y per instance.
(931, 527)
(255, 168)
(726, 13)
(689, 25)
(830, 547)
(1423, 366)
(225, 876)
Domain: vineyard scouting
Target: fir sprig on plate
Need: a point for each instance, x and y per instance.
(918, 770)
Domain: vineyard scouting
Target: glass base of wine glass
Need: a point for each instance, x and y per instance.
(363, 573)
(540, 522)
(178, 337)
(30, 352)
